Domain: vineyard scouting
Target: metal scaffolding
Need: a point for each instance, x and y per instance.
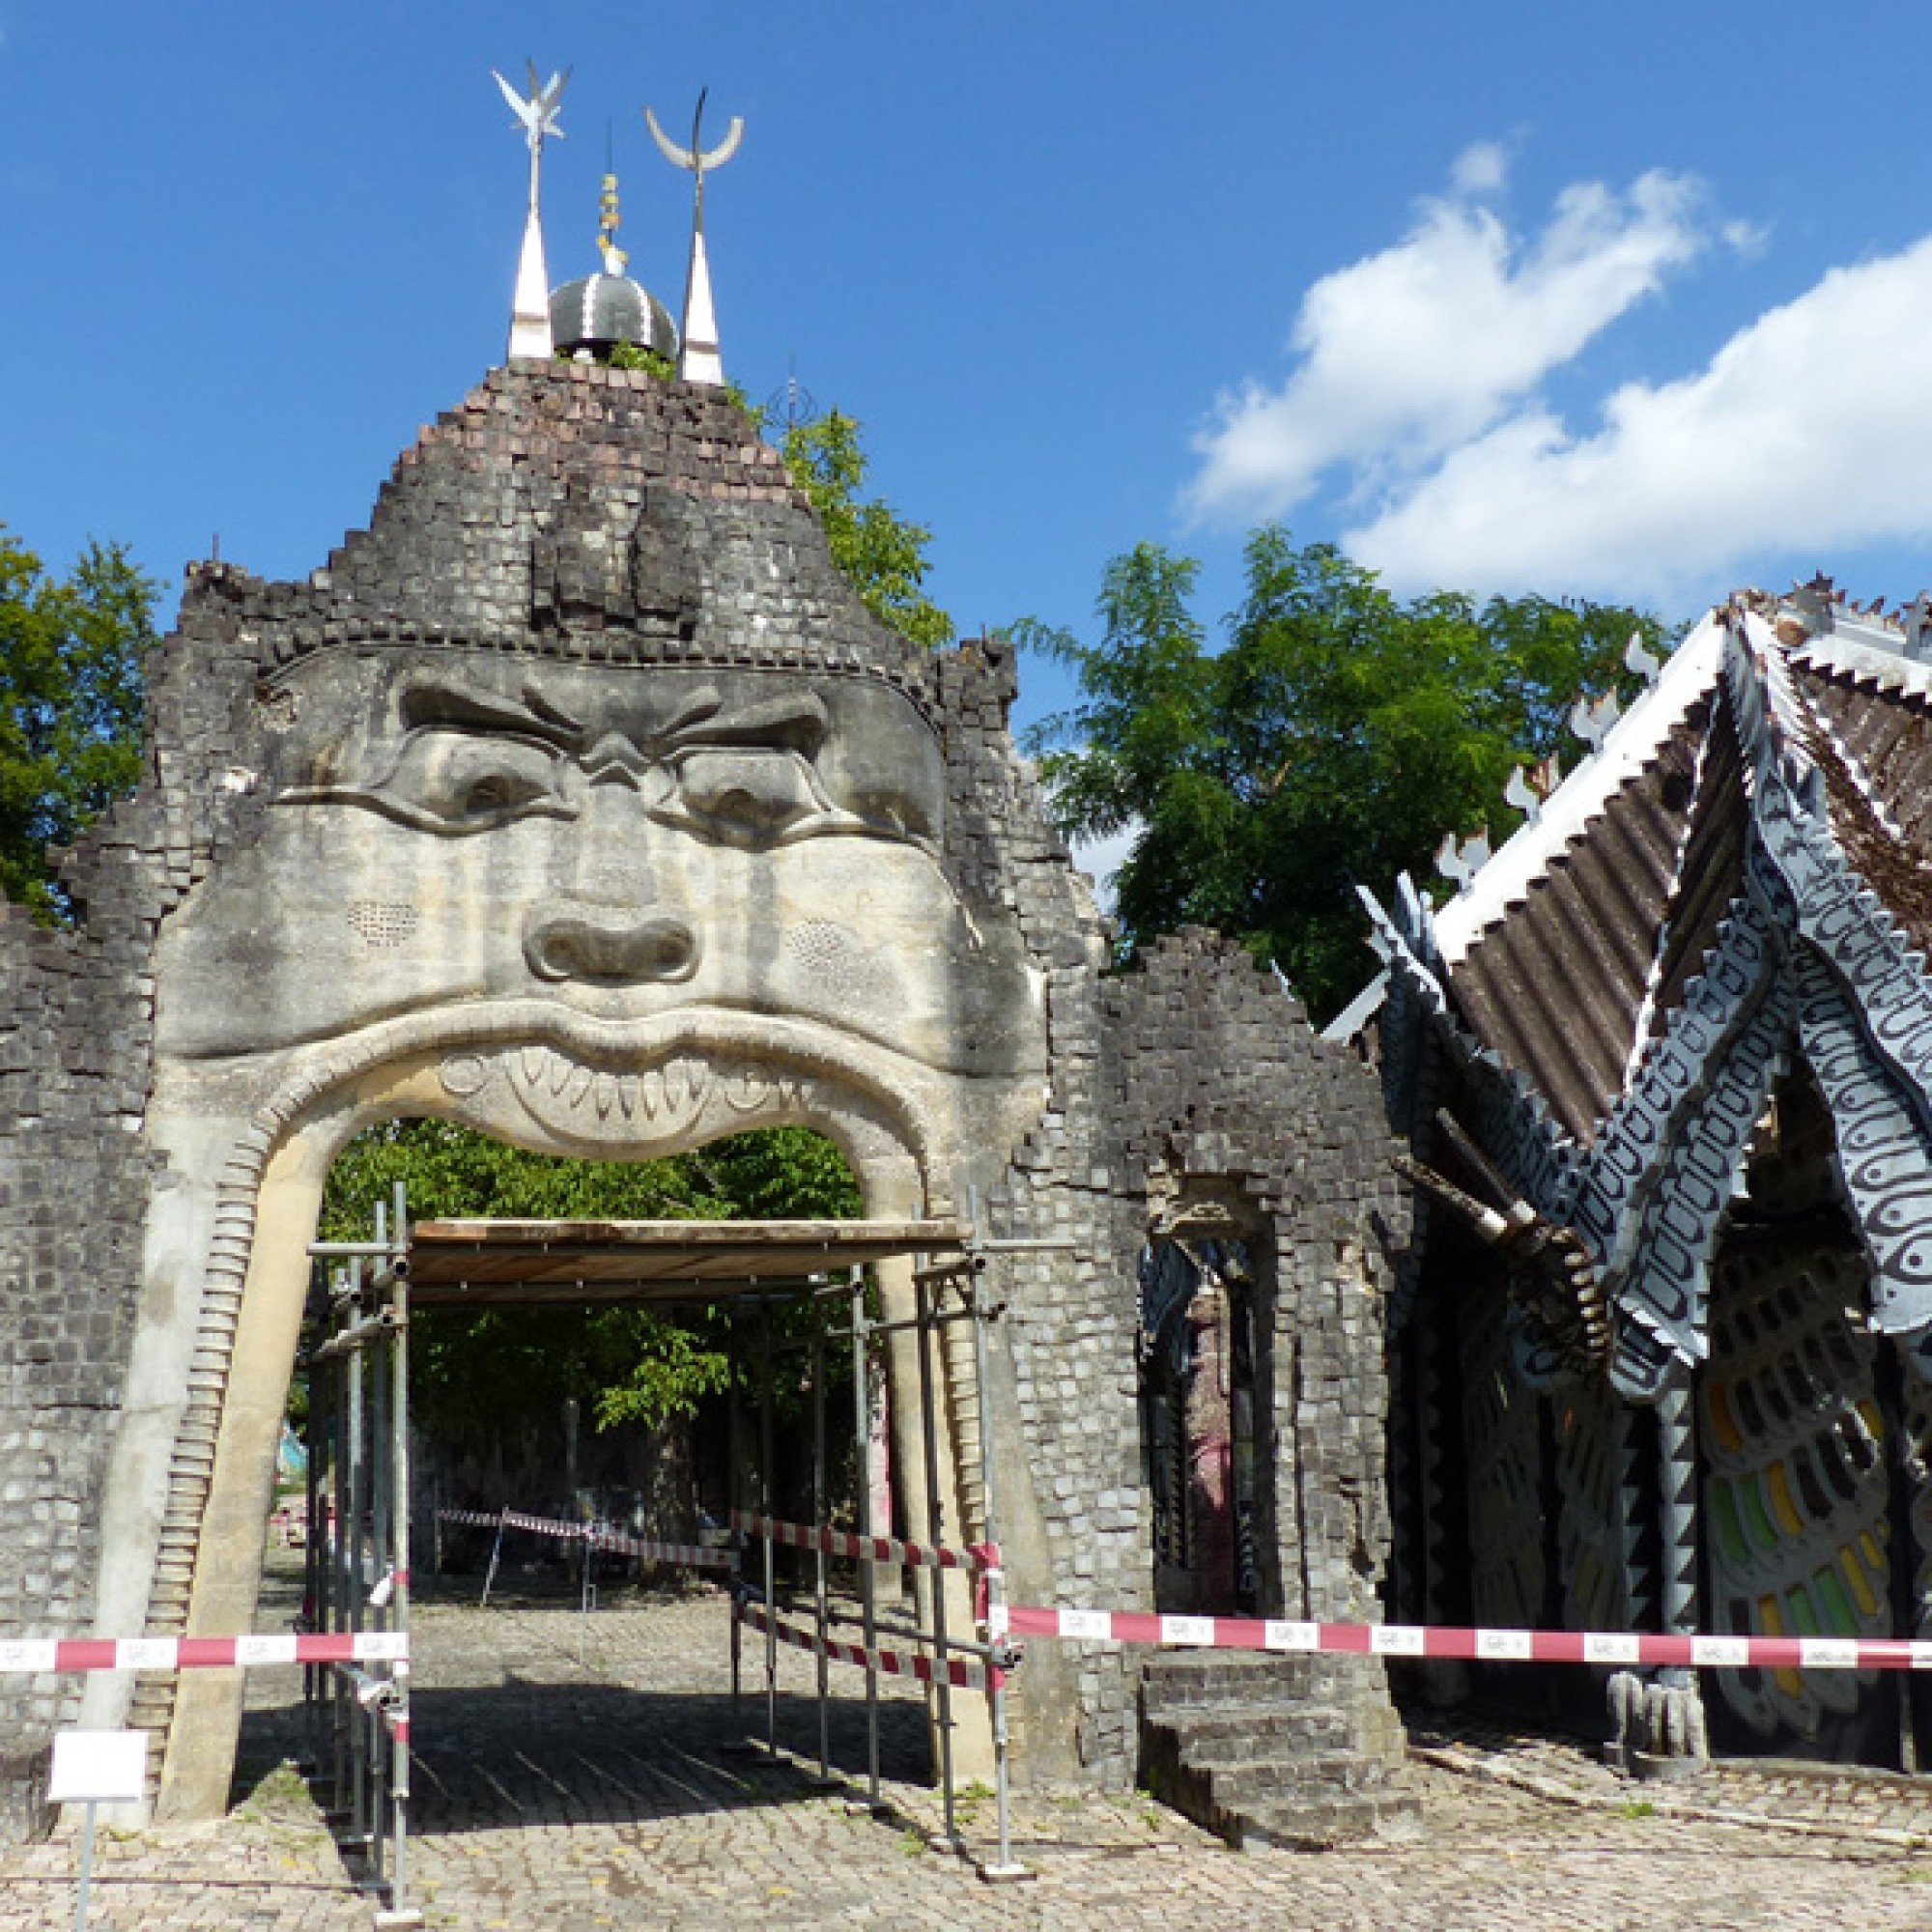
(358, 1467)
(357, 1548)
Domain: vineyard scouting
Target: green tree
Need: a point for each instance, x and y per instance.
(1335, 737)
(72, 657)
(499, 1369)
(871, 543)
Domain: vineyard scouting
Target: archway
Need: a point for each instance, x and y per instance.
(540, 1090)
(580, 798)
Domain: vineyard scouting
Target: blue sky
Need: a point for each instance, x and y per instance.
(1621, 301)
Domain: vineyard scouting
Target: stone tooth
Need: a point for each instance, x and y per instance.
(560, 1070)
(627, 1096)
(607, 1095)
(580, 1084)
(747, 1088)
(651, 1093)
(534, 1060)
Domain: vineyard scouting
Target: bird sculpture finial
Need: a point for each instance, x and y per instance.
(536, 114)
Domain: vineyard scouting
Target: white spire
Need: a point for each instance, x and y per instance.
(699, 360)
(529, 310)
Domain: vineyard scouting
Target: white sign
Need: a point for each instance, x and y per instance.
(99, 1768)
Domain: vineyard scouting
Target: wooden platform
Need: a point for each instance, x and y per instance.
(533, 1263)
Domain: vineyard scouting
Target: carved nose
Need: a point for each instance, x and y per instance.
(615, 948)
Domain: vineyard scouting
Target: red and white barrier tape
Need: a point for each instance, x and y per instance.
(1487, 1646)
(36, 1655)
(978, 1558)
(599, 1536)
(962, 1673)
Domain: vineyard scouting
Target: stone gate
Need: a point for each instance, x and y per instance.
(578, 799)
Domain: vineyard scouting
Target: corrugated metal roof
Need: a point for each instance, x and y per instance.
(1557, 984)
(1711, 874)
(1798, 739)
(1586, 930)
(1887, 735)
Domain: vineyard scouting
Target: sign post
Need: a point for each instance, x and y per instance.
(96, 1768)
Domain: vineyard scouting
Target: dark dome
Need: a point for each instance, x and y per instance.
(600, 311)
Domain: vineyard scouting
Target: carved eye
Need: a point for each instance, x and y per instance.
(499, 791)
(743, 792)
(459, 781)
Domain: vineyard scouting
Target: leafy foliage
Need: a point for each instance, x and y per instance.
(871, 543)
(637, 355)
(72, 654)
(1335, 737)
(493, 1371)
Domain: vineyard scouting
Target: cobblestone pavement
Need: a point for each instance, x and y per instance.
(582, 1773)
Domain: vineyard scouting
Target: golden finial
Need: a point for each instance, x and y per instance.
(608, 218)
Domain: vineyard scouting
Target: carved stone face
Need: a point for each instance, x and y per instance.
(626, 840)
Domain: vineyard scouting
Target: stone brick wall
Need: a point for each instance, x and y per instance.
(1196, 1077)
(598, 516)
(75, 1019)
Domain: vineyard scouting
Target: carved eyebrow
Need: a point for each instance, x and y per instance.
(449, 704)
(798, 720)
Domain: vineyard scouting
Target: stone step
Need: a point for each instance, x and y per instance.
(1318, 1797)
(1227, 1718)
(1266, 1747)
(1263, 1740)
(1311, 1767)
(1317, 1773)
(1319, 1824)
(1221, 1677)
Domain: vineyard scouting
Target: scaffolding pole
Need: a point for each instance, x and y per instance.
(765, 1510)
(862, 1423)
(1005, 1866)
(358, 1564)
(821, 1517)
(935, 1507)
(935, 1282)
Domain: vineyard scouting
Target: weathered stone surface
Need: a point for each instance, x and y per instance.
(579, 799)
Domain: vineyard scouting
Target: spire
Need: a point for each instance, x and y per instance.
(699, 360)
(529, 314)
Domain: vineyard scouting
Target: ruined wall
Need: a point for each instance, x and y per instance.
(1197, 1078)
(77, 1176)
(580, 799)
(73, 1074)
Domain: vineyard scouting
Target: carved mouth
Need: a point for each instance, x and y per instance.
(569, 1096)
(554, 1086)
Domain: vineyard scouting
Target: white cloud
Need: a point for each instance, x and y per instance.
(1806, 430)
(1746, 238)
(1410, 353)
(1482, 168)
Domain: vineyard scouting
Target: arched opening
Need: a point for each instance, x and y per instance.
(616, 1413)
(223, 1497)
(1203, 1404)
(582, 1384)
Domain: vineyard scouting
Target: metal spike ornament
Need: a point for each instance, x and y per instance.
(699, 360)
(536, 114)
